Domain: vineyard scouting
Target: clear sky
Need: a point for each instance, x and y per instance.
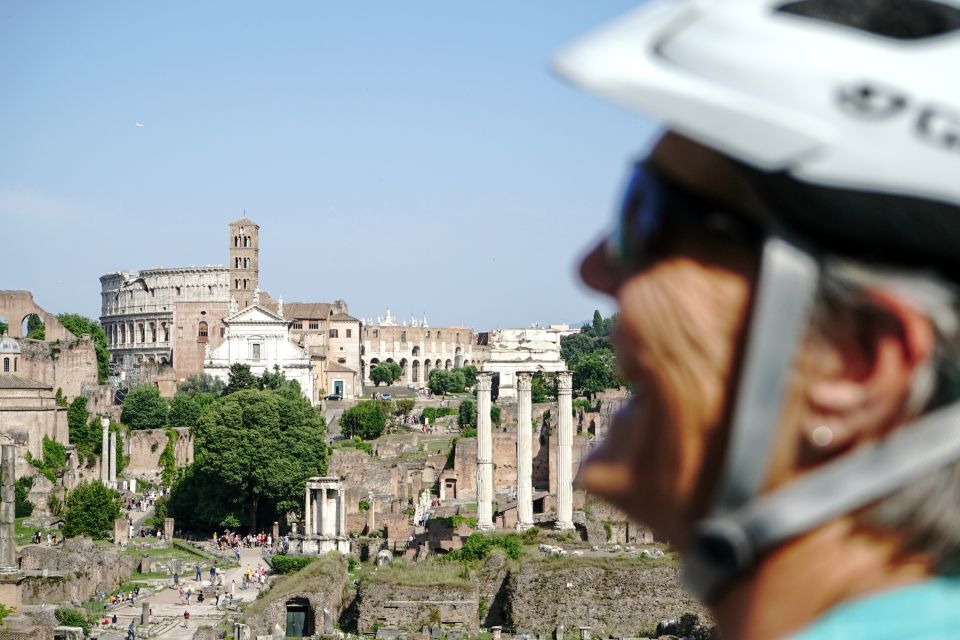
(413, 155)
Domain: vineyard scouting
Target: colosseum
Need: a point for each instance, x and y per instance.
(138, 309)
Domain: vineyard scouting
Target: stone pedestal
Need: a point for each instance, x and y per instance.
(168, 529)
(524, 453)
(121, 531)
(241, 631)
(144, 613)
(276, 532)
(564, 451)
(484, 453)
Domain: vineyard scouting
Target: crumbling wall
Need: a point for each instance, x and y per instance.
(411, 607)
(615, 595)
(69, 364)
(146, 446)
(86, 568)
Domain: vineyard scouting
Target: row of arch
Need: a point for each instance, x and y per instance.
(28, 322)
(410, 371)
(242, 263)
(121, 333)
(416, 351)
(242, 241)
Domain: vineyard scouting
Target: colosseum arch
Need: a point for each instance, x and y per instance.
(415, 371)
(16, 306)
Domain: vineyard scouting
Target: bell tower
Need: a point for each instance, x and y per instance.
(244, 246)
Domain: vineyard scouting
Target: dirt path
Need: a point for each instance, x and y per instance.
(166, 606)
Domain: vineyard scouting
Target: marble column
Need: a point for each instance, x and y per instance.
(105, 451)
(524, 453)
(113, 457)
(484, 453)
(318, 507)
(341, 514)
(307, 515)
(564, 450)
(8, 509)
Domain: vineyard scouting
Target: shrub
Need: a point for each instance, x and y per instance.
(73, 618)
(289, 564)
(432, 413)
(91, 511)
(478, 546)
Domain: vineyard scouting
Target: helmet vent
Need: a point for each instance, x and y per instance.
(898, 19)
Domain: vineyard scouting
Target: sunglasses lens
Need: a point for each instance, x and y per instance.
(639, 219)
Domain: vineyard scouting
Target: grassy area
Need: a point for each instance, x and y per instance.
(430, 572)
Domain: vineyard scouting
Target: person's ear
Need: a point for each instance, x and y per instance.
(864, 389)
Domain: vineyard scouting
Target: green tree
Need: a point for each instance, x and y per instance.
(381, 374)
(91, 510)
(395, 371)
(239, 378)
(79, 325)
(4, 327)
(542, 386)
(366, 419)
(469, 376)
(275, 379)
(185, 408)
(143, 408)
(202, 383)
(35, 328)
(595, 372)
(439, 381)
(23, 507)
(254, 450)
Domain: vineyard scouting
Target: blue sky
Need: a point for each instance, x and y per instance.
(411, 155)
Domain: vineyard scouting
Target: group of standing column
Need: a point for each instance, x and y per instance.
(108, 454)
(525, 452)
(323, 513)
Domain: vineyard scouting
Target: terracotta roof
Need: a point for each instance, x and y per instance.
(245, 221)
(306, 310)
(19, 382)
(343, 317)
(339, 368)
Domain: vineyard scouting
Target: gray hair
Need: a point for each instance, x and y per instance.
(927, 511)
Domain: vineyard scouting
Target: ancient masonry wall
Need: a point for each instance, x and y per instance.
(145, 448)
(410, 608)
(611, 595)
(70, 364)
(86, 569)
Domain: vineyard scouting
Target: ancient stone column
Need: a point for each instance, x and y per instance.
(524, 453)
(276, 532)
(105, 451)
(564, 449)
(307, 499)
(341, 514)
(113, 457)
(144, 614)
(168, 529)
(8, 513)
(484, 453)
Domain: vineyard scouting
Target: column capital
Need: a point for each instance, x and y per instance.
(484, 381)
(524, 379)
(564, 381)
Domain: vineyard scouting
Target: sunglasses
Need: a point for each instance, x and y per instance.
(653, 206)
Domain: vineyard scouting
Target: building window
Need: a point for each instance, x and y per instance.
(222, 331)
(6, 365)
(403, 336)
(202, 332)
(166, 333)
(297, 325)
(342, 360)
(333, 333)
(178, 290)
(376, 333)
(255, 351)
(314, 325)
(349, 331)
(16, 361)
(438, 335)
(179, 332)
(428, 334)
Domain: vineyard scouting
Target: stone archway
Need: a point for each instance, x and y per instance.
(15, 306)
(415, 371)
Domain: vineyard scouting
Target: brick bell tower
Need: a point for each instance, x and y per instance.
(244, 246)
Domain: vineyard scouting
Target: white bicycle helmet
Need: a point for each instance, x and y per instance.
(849, 111)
